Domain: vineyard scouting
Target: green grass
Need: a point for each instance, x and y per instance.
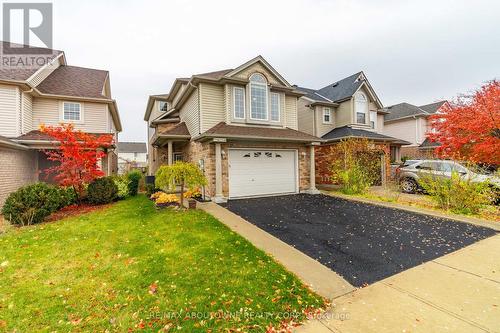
(94, 272)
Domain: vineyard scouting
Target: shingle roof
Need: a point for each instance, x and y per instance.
(215, 75)
(349, 132)
(131, 147)
(402, 110)
(75, 81)
(312, 94)
(342, 89)
(179, 129)
(433, 107)
(429, 144)
(286, 134)
(22, 73)
(40, 136)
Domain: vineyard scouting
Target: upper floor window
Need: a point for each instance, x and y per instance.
(361, 107)
(275, 107)
(239, 102)
(327, 116)
(72, 111)
(163, 106)
(373, 119)
(258, 97)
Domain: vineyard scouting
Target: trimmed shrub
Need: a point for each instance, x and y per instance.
(151, 189)
(101, 191)
(66, 196)
(33, 203)
(457, 194)
(122, 184)
(133, 186)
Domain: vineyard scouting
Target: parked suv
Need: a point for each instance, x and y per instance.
(409, 175)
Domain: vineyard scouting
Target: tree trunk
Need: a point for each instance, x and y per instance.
(182, 193)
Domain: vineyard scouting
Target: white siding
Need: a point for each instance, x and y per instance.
(9, 111)
(190, 115)
(44, 72)
(95, 115)
(27, 113)
(291, 112)
(211, 105)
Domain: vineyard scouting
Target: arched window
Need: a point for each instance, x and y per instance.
(258, 97)
(361, 107)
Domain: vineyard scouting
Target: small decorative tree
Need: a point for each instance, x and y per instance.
(77, 155)
(180, 173)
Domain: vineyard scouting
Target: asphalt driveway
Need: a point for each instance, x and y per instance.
(362, 242)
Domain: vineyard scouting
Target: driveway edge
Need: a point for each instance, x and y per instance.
(318, 277)
(422, 211)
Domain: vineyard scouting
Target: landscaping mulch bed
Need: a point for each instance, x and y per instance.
(74, 210)
(363, 243)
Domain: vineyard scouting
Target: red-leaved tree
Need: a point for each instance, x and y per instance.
(77, 154)
(469, 128)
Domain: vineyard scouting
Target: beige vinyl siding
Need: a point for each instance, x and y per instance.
(45, 72)
(179, 93)
(95, 115)
(190, 115)
(9, 111)
(405, 129)
(27, 113)
(321, 128)
(380, 123)
(291, 112)
(344, 113)
(211, 105)
(258, 67)
(305, 117)
(228, 102)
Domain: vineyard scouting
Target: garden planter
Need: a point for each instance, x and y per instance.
(192, 203)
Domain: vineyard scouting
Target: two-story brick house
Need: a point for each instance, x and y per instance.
(50, 94)
(240, 126)
(348, 108)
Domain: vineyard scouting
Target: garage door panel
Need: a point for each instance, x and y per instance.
(261, 172)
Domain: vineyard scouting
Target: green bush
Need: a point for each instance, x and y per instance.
(460, 195)
(101, 191)
(33, 203)
(133, 186)
(122, 184)
(150, 189)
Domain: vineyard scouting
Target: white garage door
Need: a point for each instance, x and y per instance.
(262, 172)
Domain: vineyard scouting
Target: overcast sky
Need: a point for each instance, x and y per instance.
(413, 51)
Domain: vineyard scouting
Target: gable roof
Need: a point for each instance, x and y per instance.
(433, 107)
(23, 73)
(131, 147)
(75, 81)
(405, 110)
(345, 132)
(313, 94)
(264, 62)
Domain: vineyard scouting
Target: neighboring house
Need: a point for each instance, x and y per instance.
(240, 126)
(348, 108)
(50, 94)
(131, 155)
(411, 123)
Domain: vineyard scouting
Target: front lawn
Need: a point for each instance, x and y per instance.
(130, 267)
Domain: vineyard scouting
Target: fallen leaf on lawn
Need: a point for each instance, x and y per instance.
(3, 323)
(153, 288)
(4, 263)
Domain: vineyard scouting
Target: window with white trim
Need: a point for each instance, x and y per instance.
(373, 119)
(162, 105)
(72, 111)
(258, 97)
(275, 107)
(361, 106)
(239, 103)
(327, 116)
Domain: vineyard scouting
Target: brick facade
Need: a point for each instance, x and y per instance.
(324, 160)
(17, 168)
(417, 153)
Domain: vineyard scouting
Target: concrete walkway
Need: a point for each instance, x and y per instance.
(459, 292)
(321, 279)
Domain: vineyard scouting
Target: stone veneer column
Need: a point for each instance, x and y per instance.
(218, 174)
(170, 153)
(312, 172)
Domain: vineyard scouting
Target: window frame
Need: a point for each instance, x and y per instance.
(329, 115)
(234, 103)
(374, 121)
(266, 96)
(159, 106)
(62, 113)
(271, 106)
(366, 109)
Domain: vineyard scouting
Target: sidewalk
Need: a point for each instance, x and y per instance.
(459, 292)
(321, 279)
